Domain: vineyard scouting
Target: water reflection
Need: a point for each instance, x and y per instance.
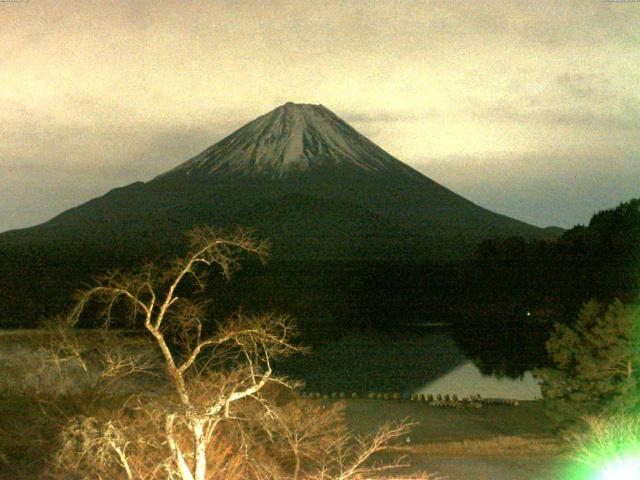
(415, 360)
(467, 380)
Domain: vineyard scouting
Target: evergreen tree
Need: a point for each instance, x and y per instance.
(596, 361)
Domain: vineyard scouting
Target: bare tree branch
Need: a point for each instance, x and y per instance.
(217, 378)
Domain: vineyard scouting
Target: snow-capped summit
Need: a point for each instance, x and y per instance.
(293, 137)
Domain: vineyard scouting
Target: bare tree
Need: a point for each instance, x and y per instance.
(89, 443)
(93, 362)
(314, 434)
(305, 432)
(177, 325)
(217, 416)
(354, 458)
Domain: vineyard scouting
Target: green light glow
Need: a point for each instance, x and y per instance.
(613, 469)
(628, 469)
(609, 449)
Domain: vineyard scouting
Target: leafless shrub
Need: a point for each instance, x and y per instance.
(94, 448)
(353, 457)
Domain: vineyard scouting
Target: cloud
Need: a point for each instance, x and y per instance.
(620, 117)
(389, 116)
(542, 189)
(67, 168)
(571, 110)
(128, 89)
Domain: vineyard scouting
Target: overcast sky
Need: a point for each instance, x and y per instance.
(531, 109)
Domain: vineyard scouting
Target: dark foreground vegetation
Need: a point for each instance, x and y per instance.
(208, 404)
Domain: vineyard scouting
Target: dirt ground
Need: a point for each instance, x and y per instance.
(495, 442)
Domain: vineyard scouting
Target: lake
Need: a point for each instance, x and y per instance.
(419, 360)
(415, 360)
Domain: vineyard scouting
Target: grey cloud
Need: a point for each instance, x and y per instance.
(38, 187)
(549, 116)
(573, 99)
(580, 85)
(97, 145)
(542, 189)
(389, 116)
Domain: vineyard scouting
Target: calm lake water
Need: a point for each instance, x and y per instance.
(415, 360)
(420, 360)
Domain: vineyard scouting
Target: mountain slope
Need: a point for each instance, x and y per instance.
(298, 151)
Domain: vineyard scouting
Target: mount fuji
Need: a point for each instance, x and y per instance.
(298, 175)
(302, 177)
